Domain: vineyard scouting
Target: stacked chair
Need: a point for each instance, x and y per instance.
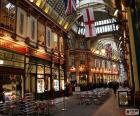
(97, 96)
(27, 105)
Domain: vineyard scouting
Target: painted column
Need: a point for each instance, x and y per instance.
(133, 51)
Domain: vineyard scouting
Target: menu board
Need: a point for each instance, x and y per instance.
(77, 89)
(123, 98)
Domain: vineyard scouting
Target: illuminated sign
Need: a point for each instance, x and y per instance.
(11, 45)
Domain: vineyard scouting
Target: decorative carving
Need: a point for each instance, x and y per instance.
(27, 40)
(1, 33)
(13, 36)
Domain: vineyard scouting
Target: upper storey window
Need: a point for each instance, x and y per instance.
(8, 15)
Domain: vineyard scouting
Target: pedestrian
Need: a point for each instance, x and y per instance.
(19, 88)
(2, 98)
(115, 87)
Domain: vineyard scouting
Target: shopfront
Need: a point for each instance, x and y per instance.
(12, 74)
(42, 77)
(37, 76)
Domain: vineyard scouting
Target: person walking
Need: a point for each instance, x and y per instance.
(115, 87)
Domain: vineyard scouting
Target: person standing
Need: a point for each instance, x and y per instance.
(2, 98)
(19, 88)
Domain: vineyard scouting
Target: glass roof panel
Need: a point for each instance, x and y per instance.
(59, 9)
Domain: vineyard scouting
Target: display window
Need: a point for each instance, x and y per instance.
(40, 69)
(55, 79)
(47, 70)
(62, 79)
(40, 86)
(56, 85)
(12, 86)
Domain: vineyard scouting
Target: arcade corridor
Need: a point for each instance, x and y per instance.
(51, 49)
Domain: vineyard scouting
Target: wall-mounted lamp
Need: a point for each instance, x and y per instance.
(1, 61)
(97, 51)
(31, 0)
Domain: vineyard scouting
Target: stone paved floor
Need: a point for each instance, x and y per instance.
(108, 108)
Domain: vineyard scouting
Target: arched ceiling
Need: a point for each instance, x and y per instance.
(56, 9)
(103, 9)
(99, 47)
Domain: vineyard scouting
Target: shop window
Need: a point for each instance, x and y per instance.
(11, 59)
(12, 85)
(47, 70)
(62, 74)
(73, 76)
(40, 83)
(8, 15)
(40, 69)
(32, 68)
(40, 86)
(56, 79)
(62, 79)
(56, 85)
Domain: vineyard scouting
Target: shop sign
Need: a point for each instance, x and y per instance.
(123, 98)
(11, 45)
(132, 112)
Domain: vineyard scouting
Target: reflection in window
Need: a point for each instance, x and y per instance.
(56, 85)
(40, 69)
(8, 15)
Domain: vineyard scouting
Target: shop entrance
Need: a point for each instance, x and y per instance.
(13, 85)
(12, 81)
